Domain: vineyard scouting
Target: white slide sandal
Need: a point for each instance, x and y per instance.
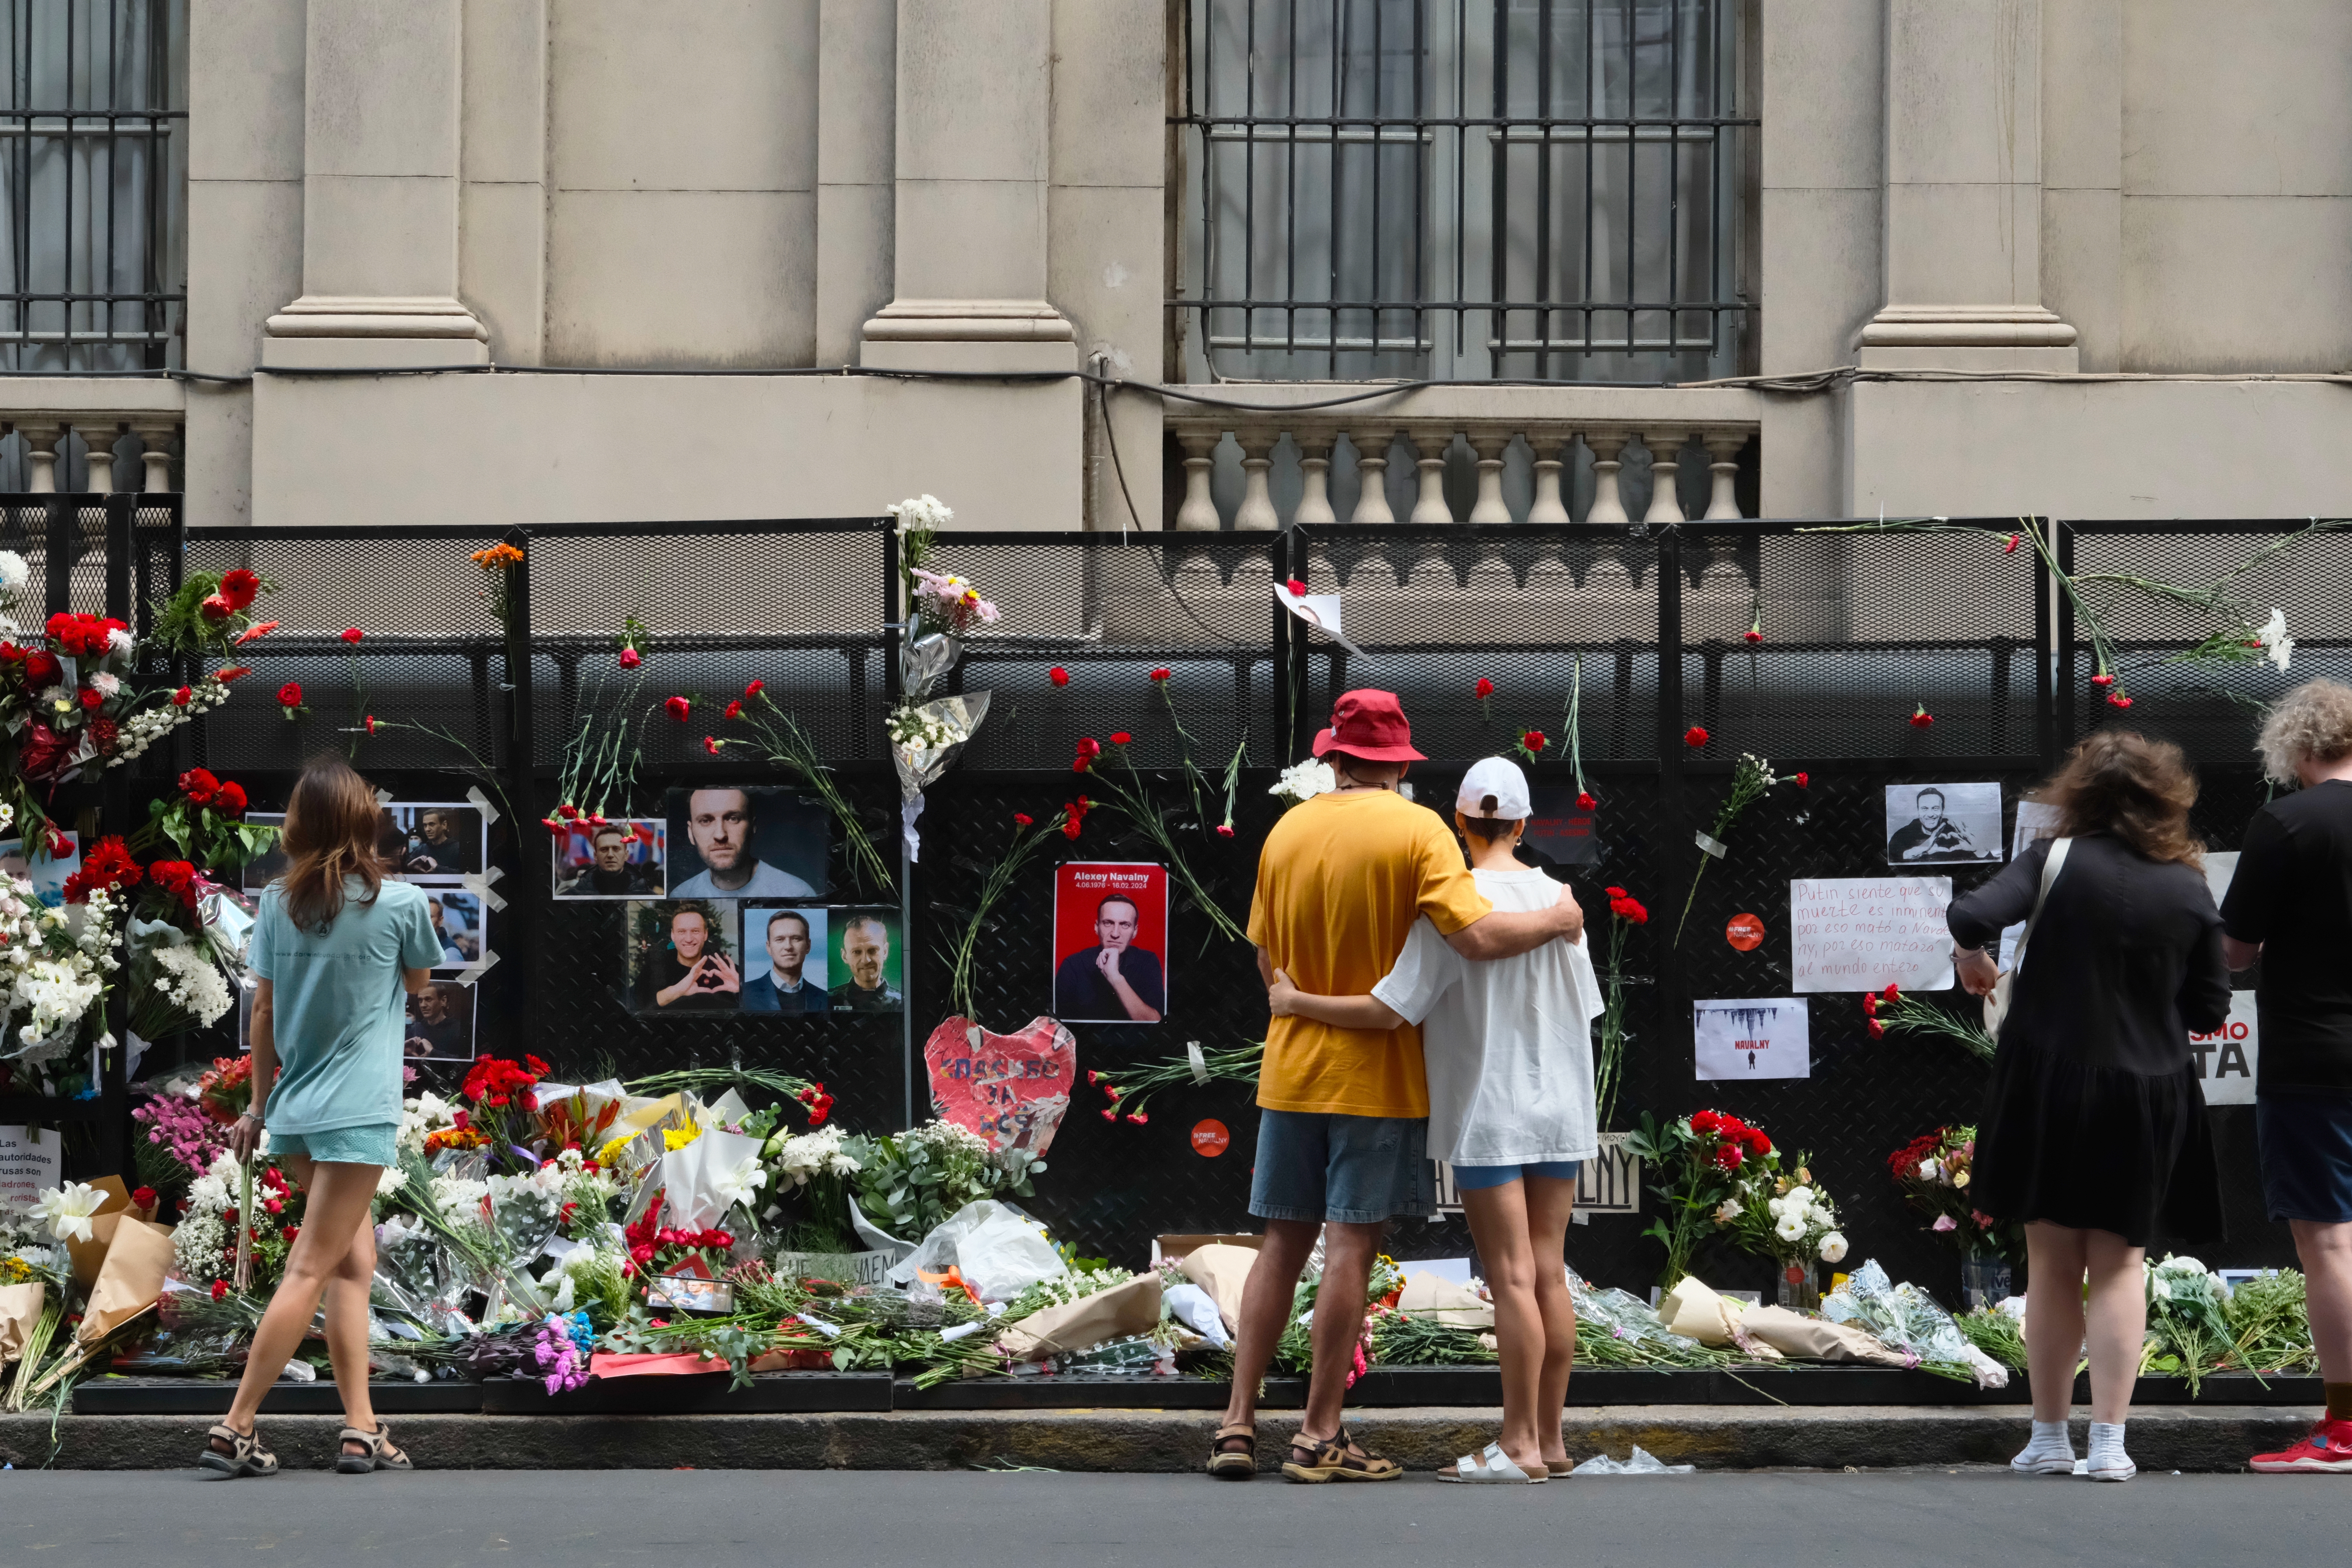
(1492, 1465)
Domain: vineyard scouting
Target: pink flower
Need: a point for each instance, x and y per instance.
(630, 659)
(1945, 1222)
(1224, 830)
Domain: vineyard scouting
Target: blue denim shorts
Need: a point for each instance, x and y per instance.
(377, 1144)
(1356, 1170)
(2306, 1150)
(1478, 1178)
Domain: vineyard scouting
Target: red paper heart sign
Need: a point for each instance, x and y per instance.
(1012, 1089)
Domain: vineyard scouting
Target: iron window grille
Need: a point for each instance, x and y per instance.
(1506, 189)
(93, 166)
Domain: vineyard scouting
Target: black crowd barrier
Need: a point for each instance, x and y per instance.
(1647, 624)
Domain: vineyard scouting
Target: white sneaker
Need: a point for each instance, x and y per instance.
(2044, 1462)
(2106, 1467)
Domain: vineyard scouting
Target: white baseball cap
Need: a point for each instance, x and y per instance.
(1495, 788)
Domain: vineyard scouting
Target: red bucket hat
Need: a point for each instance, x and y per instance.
(1370, 725)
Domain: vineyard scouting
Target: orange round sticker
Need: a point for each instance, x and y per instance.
(1210, 1138)
(1745, 932)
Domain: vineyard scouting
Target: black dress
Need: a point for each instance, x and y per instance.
(2094, 1118)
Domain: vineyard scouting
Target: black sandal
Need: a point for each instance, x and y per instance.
(380, 1455)
(1340, 1459)
(244, 1455)
(1230, 1464)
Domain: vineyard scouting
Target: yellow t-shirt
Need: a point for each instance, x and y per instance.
(1339, 883)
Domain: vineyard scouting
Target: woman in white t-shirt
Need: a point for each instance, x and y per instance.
(1508, 1049)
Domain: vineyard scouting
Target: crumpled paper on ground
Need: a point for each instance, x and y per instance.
(1642, 1463)
(1124, 1310)
(1427, 1296)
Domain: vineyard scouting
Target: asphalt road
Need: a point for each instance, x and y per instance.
(1041, 1519)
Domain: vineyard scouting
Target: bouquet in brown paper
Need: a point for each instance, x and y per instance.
(1119, 1312)
(20, 1311)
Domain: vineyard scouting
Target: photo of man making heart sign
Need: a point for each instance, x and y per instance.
(682, 956)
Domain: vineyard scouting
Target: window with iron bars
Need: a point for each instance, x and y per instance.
(93, 183)
(1461, 189)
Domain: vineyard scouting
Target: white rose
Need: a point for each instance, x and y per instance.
(1833, 1248)
(1792, 1227)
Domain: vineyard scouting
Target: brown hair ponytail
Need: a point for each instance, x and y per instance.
(330, 836)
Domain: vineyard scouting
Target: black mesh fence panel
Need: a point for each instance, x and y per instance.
(1856, 633)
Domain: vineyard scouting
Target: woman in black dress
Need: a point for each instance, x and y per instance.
(2094, 1129)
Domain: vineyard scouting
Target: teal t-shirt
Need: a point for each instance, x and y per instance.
(337, 1006)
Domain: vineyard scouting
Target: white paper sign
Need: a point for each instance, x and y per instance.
(1759, 1038)
(2220, 869)
(1316, 610)
(2228, 1059)
(2034, 818)
(27, 1167)
(1865, 934)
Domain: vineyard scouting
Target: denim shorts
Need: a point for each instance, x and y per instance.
(2306, 1148)
(1478, 1178)
(1356, 1170)
(377, 1144)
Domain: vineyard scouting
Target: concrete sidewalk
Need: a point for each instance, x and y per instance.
(2218, 1438)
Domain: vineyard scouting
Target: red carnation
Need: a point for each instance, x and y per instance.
(1804, 781)
(1752, 636)
(1728, 1157)
(1584, 800)
(1921, 718)
(2010, 548)
(1870, 1004)
(1058, 676)
(1224, 830)
(230, 800)
(1162, 673)
(1021, 819)
(220, 1290)
(2103, 679)
(1297, 589)
(679, 708)
(199, 786)
(754, 689)
(710, 744)
(1893, 992)
(351, 634)
(734, 710)
(1877, 1030)
(2117, 700)
(1705, 1122)
(1694, 737)
(1120, 737)
(1484, 689)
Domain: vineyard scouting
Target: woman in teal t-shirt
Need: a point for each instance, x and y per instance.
(332, 949)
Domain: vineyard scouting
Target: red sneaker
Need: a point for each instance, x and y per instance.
(2325, 1449)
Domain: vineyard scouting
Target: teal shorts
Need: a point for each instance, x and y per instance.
(376, 1144)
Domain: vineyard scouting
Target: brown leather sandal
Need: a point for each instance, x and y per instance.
(1341, 1460)
(380, 1455)
(1230, 1463)
(243, 1456)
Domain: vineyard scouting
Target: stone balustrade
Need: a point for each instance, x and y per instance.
(1479, 455)
(129, 430)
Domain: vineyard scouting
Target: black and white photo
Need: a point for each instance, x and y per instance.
(1943, 824)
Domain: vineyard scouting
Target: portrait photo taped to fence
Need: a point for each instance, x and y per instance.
(623, 859)
(432, 841)
(784, 961)
(440, 1025)
(685, 956)
(1940, 824)
(728, 841)
(865, 958)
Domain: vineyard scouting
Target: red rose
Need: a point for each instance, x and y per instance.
(143, 1197)
(1694, 737)
(630, 659)
(92, 699)
(352, 636)
(290, 694)
(1728, 1157)
(220, 1290)
(1484, 689)
(291, 1232)
(679, 708)
(230, 800)
(42, 668)
(1705, 1123)
(179, 697)
(239, 586)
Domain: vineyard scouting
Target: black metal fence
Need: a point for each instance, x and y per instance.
(1857, 634)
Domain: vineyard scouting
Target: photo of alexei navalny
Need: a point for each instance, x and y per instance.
(431, 841)
(783, 956)
(681, 957)
(1943, 823)
(457, 926)
(1114, 980)
(440, 1023)
(611, 859)
(866, 952)
(728, 842)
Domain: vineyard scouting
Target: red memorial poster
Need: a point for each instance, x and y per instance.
(1110, 943)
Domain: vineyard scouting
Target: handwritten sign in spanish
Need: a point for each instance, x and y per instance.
(29, 1161)
(1770, 1037)
(1865, 933)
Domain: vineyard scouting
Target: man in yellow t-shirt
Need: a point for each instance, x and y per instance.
(1343, 1113)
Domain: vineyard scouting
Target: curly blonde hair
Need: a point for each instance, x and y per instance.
(2313, 723)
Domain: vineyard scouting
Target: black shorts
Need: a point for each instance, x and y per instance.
(2307, 1148)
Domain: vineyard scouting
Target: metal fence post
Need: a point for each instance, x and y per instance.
(1290, 651)
(61, 546)
(113, 1128)
(2062, 619)
(2045, 712)
(1678, 849)
(522, 752)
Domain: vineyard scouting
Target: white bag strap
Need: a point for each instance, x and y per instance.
(2049, 869)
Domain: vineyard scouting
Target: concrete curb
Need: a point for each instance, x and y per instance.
(1865, 1437)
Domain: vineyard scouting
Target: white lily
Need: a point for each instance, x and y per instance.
(68, 1209)
(738, 1186)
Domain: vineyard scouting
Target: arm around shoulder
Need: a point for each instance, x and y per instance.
(1506, 933)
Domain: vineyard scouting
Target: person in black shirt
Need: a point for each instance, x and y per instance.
(2093, 1131)
(2290, 905)
(1114, 979)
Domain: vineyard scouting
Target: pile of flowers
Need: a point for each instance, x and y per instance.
(54, 965)
(204, 1245)
(174, 1140)
(1786, 1217)
(1703, 1160)
(1934, 1171)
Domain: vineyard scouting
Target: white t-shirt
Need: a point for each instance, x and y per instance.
(1508, 1043)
